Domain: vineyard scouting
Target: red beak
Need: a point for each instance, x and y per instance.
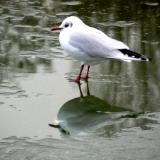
(56, 29)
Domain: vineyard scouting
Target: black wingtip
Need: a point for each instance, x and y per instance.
(148, 59)
(145, 59)
(135, 55)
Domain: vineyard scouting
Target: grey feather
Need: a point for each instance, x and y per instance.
(95, 45)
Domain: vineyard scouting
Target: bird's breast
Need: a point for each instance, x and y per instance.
(64, 39)
(73, 51)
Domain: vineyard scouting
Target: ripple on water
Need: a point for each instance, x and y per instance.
(152, 4)
(117, 24)
(65, 13)
(71, 3)
(23, 28)
(8, 88)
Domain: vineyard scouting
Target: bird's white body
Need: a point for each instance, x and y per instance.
(65, 39)
(89, 44)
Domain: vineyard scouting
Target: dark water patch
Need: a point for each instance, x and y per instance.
(90, 114)
(30, 20)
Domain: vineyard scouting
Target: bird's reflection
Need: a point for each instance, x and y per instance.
(90, 114)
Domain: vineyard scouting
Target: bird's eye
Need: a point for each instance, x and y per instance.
(66, 25)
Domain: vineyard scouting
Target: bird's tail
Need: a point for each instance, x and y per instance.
(133, 55)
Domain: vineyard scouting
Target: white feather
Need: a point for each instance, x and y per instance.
(89, 44)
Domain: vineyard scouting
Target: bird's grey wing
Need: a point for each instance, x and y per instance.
(96, 44)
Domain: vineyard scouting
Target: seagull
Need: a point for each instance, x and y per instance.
(91, 46)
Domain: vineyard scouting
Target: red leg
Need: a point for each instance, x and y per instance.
(80, 73)
(87, 72)
(86, 76)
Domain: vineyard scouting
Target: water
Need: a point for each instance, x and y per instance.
(34, 86)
